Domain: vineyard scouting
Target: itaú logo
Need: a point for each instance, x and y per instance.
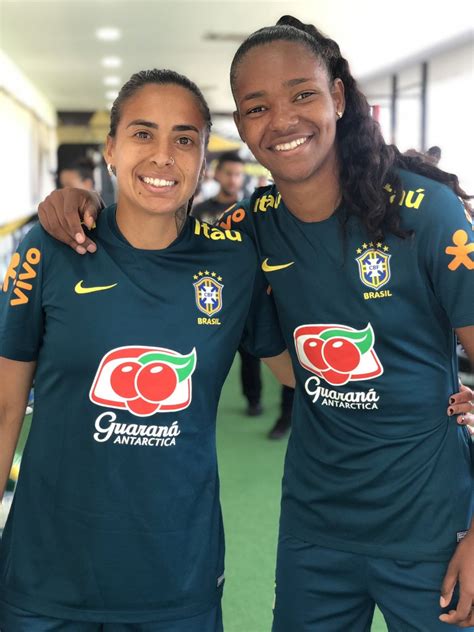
(336, 353)
(144, 380)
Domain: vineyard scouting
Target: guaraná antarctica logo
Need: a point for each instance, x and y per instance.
(338, 354)
(142, 381)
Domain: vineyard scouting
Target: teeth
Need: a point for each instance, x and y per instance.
(158, 182)
(293, 145)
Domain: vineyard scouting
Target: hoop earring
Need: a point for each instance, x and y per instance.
(111, 170)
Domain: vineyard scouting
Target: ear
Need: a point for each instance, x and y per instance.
(238, 124)
(338, 95)
(109, 150)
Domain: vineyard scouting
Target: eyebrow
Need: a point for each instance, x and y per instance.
(287, 84)
(176, 128)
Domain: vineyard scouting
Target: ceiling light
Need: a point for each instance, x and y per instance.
(111, 62)
(108, 34)
(111, 95)
(112, 81)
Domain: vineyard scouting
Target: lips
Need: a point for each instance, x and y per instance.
(290, 143)
(157, 183)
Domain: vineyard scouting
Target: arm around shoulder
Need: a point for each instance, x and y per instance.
(61, 213)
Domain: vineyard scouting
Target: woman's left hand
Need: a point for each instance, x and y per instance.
(462, 405)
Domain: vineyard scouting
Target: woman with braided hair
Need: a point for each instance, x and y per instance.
(370, 258)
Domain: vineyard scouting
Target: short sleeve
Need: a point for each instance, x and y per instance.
(449, 252)
(21, 310)
(262, 336)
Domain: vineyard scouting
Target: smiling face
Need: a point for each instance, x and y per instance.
(286, 110)
(158, 149)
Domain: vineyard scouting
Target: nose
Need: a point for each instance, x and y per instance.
(283, 117)
(162, 155)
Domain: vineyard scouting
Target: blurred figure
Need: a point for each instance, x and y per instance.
(251, 381)
(434, 154)
(229, 175)
(283, 423)
(79, 175)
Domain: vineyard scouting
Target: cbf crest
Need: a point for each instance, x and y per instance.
(374, 265)
(208, 292)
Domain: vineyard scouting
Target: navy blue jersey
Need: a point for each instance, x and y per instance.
(374, 464)
(116, 515)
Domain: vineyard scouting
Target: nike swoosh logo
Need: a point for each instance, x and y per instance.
(79, 289)
(266, 267)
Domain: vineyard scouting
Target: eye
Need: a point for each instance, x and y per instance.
(184, 140)
(142, 134)
(303, 95)
(257, 109)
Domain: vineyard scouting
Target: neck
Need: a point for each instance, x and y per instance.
(149, 231)
(315, 199)
(225, 198)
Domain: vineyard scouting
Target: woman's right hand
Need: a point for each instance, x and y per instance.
(63, 211)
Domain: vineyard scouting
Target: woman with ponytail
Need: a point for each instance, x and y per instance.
(370, 257)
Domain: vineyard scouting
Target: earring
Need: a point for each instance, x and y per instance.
(339, 114)
(111, 170)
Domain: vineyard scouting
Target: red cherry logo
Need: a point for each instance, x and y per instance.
(336, 378)
(156, 381)
(141, 407)
(122, 379)
(341, 355)
(313, 349)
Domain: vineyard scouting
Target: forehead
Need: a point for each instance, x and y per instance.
(154, 102)
(277, 62)
(231, 165)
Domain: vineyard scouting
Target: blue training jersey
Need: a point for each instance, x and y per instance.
(374, 465)
(116, 516)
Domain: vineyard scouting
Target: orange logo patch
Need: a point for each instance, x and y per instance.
(461, 251)
(19, 277)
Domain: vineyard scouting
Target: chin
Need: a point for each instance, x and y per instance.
(295, 175)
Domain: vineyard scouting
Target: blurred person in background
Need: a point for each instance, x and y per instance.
(434, 154)
(80, 175)
(229, 175)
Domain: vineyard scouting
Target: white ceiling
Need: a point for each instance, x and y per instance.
(53, 41)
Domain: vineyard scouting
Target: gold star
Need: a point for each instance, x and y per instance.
(364, 245)
(200, 273)
(206, 272)
(371, 244)
(213, 274)
(359, 250)
(379, 244)
(385, 248)
(219, 278)
(195, 276)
